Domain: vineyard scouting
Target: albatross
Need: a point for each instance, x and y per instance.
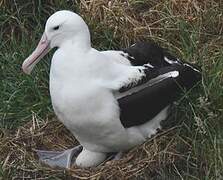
(109, 100)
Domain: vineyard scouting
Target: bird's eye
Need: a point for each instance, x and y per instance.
(56, 27)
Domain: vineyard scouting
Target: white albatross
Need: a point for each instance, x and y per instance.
(110, 101)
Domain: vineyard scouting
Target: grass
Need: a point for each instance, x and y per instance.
(191, 144)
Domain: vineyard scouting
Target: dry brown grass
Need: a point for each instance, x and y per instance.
(132, 21)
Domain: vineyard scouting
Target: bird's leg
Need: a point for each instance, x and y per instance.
(115, 156)
(89, 158)
(118, 156)
(61, 159)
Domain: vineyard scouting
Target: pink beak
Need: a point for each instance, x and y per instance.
(41, 50)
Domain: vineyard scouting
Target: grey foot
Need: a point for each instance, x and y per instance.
(61, 159)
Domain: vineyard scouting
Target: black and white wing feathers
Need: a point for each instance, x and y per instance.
(148, 73)
(165, 78)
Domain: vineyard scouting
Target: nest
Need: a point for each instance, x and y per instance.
(144, 161)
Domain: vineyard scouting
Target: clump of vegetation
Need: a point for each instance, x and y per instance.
(191, 144)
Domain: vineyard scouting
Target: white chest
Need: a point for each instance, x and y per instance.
(87, 109)
(90, 113)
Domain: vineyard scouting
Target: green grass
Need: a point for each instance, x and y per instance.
(194, 34)
(21, 95)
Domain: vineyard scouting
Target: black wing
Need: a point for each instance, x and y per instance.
(170, 77)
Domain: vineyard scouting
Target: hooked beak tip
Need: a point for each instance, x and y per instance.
(25, 69)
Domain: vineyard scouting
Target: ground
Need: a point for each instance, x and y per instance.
(190, 146)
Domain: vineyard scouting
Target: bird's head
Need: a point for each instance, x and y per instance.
(61, 27)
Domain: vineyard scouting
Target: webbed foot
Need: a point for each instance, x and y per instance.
(63, 159)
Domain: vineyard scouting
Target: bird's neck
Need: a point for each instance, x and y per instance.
(80, 42)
